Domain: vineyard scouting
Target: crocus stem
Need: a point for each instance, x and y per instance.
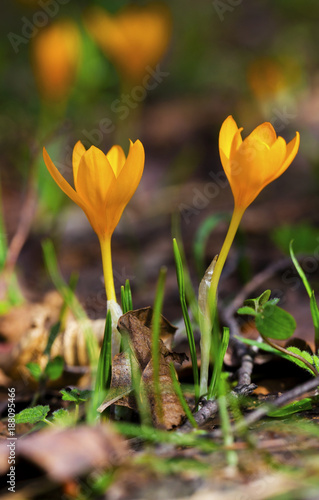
(107, 268)
(212, 299)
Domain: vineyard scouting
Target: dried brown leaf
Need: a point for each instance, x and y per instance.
(121, 384)
(68, 453)
(137, 325)
(169, 413)
(145, 315)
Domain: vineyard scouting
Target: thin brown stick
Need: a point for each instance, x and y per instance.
(27, 213)
(23, 229)
(263, 410)
(210, 408)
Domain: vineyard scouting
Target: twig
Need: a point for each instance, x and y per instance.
(262, 411)
(26, 218)
(24, 225)
(245, 370)
(210, 408)
(244, 354)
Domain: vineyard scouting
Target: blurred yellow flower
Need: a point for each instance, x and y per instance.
(255, 162)
(55, 54)
(269, 78)
(135, 38)
(104, 184)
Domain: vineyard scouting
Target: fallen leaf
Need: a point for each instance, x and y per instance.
(169, 413)
(145, 315)
(68, 453)
(137, 326)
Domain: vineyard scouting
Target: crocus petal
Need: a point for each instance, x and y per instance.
(78, 152)
(229, 164)
(127, 182)
(227, 132)
(235, 146)
(61, 182)
(255, 168)
(130, 175)
(292, 150)
(264, 133)
(225, 162)
(100, 194)
(255, 162)
(116, 158)
(94, 179)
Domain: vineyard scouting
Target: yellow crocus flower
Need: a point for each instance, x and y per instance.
(134, 38)
(55, 54)
(254, 162)
(103, 186)
(249, 165)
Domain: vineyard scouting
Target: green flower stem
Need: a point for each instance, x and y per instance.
(212, 299)
(105, 244)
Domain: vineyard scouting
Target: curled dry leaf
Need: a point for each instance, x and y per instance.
(121, 384)
(137, 326)
(167, 330)
(169, 413)
(68, 453)
(28, 337)
(20, 319)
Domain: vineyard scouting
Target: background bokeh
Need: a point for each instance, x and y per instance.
(258, 61)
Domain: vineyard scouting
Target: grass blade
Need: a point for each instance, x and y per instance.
(313, 304)
(157, 310)
(190, 294)
(104, 367)
(187, 321)
(128, 294)
(218, 365)
(124, 305)
(179, 394)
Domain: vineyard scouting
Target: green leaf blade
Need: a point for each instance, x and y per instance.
(32, 415)
(275, 323)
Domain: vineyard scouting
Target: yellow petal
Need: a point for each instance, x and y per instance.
(257, 165)
(226, 135)
(134, 38)
(231, 165)
(94, 179)
(78, 152)
(61, 182)
(55, 52)
(116, 158)
(225, 162)
(264, 133)
(292, 150)
(130, 175)
(126, 184)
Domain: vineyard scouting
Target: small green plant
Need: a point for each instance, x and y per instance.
(33, 415)
(272, 322)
